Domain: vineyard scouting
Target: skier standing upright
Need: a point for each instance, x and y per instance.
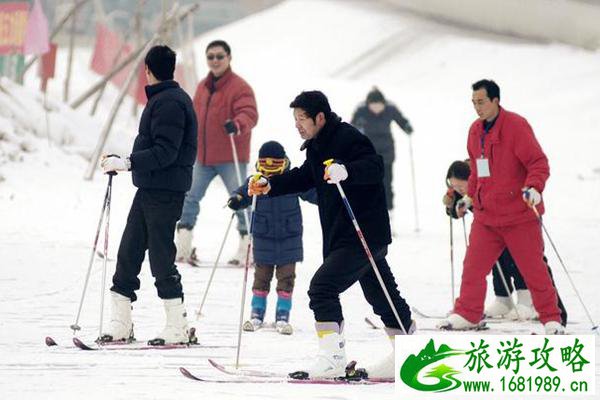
(360, 170)
(161, 167)
(508, 174)
(220, 97)
(276, 240)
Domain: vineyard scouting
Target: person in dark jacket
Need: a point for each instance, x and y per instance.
(161, 167)
(456, 180)
(360, 169)
(276, 239)
(374, 118)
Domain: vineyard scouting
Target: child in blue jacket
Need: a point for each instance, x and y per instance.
(277, 240)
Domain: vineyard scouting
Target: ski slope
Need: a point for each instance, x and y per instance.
(48, 213)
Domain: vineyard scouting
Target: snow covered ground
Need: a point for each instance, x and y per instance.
(48, 213)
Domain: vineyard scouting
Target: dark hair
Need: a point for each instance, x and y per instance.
(161, 62)
(312, 102)
(491, 88)
(375, 96)
(221, 43)
(459, 170)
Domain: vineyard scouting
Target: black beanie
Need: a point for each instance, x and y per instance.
(271, 149)
(161, 62)
(375, 96)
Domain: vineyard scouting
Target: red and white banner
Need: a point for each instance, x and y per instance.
(13, 24)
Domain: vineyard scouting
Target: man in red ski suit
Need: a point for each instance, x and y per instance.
(509, 172)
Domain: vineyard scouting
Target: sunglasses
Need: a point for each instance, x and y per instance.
(219, 57)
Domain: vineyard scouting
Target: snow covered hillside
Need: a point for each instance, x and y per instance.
(48, 213)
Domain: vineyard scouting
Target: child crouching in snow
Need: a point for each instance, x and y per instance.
(277, 240)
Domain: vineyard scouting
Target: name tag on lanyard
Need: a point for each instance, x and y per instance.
(483, 165)
(483, 168)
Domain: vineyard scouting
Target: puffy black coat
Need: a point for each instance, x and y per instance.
(364, 186)
(377, 128)
(164, 150)
(277, 226)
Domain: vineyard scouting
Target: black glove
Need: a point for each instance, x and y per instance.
(231, 127)
(235, 202)
(408, 128)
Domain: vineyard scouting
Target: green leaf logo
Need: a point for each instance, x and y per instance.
(412, 366)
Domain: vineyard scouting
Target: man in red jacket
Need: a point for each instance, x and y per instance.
(222, 97)
(509, 172)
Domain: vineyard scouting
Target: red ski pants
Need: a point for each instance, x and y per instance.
(525, 243)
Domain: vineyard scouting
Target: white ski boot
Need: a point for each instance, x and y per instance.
(284, 327)
(252, 325)
(385, 368)
(176, 328)
(524, 310)
(240, 256)
(500, 308)
(554, 328)
(183, 243)
(331, 358)
(120, 326)
(456, 322)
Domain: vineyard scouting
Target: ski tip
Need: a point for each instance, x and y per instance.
(77, 342)
(370, 323)
(215, 364)
(50, 342)
(188, 374)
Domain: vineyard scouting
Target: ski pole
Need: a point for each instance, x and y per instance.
(414, 182)
(452, 260)
(230, 132)
(246, 268)
(75, 326)
(589, 316)
(367, 251)
(505, 284)
(106, 229)
(465, 231)
(214, 268)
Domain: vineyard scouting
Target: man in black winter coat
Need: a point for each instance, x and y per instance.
(373, 118)
(360, 170)
(161, 167)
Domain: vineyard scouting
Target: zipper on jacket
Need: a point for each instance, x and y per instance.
(204, 129)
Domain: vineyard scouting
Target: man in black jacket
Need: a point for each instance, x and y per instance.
(161, 167)
(344, 260)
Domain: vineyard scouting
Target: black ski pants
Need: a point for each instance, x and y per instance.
(150, 226)
(340, 270)
(511, 270)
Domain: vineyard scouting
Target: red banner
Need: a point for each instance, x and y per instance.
(47, 66)
(109, 51)
(13, 23)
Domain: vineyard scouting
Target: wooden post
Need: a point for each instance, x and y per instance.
(70, 58)
(97, 86)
